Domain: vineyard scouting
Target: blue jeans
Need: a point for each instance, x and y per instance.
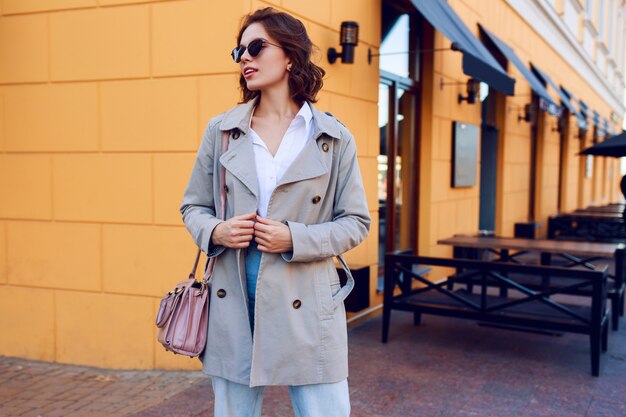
(315, 400)
(252, 261)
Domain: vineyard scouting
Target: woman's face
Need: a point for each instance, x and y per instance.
(269, 68)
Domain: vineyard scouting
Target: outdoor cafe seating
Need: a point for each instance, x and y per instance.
(540, 285)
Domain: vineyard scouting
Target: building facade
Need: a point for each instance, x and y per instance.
(103, 104)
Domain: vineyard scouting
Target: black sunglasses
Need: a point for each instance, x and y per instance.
(254, 48)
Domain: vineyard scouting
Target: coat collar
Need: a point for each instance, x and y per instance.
(239, 118)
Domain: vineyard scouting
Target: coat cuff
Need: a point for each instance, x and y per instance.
(306, 248)
(206, 245)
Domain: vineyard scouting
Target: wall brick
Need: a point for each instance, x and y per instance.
(188, 39)
(123, 2)
(57, 255)
(23, 49)
(149, 115)
(363, 73)
(103, 43)
(226, 87)
(105, 187)
(467, 216)
(28, 6)
(171, 175)
(146, 260)
(2, 119)
(372, 129)
(441, 190)
(51, 117)
(3, 253)
(25, 186)
(350, 112)
(318, 11)
(27, 317)
(369, 173)
(120, 318)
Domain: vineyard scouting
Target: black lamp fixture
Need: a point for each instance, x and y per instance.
(348, 39)
(473, 90)
(530, 114)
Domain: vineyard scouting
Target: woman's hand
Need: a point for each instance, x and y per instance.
(272, 236)
(236, 232)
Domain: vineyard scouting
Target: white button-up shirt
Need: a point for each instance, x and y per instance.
(270, 168)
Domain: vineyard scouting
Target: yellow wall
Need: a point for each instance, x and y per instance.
(102, 108)
(571, 168)
(444, 210)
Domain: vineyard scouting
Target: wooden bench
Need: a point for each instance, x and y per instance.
(523, 307)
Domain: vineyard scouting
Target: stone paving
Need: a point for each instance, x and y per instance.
(33, 388)
(444, 367)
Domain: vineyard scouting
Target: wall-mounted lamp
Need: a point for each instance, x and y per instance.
(453, 47)
(559, 125)
(473, 88)
(530, 114)
(348, 39)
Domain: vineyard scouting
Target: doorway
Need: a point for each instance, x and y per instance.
(398, 126)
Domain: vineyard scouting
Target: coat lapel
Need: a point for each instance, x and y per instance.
(308, 164)
(239, 161)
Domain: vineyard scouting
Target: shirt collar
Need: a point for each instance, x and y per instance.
(305, 113)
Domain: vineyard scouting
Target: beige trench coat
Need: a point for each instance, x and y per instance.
(300, 332)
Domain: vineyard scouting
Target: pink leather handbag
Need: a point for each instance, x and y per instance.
(183, 316)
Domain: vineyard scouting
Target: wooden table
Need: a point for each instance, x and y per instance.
(595, 249)
(612, 209)
(593, 213)
(578, 253)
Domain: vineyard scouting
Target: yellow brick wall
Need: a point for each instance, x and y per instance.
(102, 107)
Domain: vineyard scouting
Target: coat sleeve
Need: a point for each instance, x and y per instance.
(351, 219)
(198, 205)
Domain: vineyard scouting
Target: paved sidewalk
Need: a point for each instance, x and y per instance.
(33, 388)
(444, 367)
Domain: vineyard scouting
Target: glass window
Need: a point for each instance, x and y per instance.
(601, 20)
(589, 8)
(610, 31)
(394, 48)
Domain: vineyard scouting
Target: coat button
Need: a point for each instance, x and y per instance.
(226, 189)
(325, 147)
(296, 304)
(316, 199)
(221, 293)
(236, 134)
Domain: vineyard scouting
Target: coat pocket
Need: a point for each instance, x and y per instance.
(327, 283)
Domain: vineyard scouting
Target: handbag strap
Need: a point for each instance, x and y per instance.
(222, 181)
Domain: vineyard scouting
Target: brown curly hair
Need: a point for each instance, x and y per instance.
(305, 78)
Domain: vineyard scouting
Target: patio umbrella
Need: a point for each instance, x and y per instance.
(614, 146)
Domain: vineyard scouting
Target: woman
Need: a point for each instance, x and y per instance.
(294, 200)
